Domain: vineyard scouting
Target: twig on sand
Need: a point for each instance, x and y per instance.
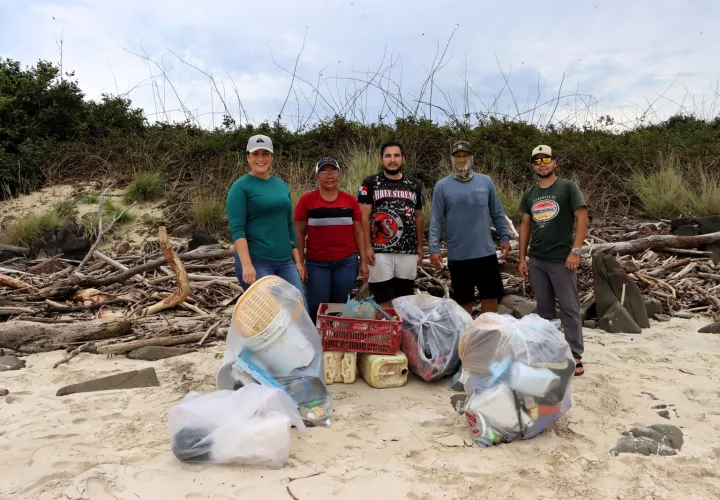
(87, 346)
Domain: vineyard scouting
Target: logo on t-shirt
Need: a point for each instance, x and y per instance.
(362, 191)
(545, 210)
(386, 228)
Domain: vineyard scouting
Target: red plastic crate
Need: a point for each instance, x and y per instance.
(372, 336)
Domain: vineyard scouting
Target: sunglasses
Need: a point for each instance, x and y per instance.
(540, 161)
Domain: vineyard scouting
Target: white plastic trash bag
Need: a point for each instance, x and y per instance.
(431, 330)
(249, 426)
(272, 341)
(518, 374)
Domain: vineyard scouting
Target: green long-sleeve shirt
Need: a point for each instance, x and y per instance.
(260, 211)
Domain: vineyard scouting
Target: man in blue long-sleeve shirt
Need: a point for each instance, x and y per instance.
(467, 201)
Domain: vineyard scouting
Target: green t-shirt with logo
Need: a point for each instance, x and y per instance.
(553, 217)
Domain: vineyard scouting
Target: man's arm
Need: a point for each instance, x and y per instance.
(525, 228)
(581, 225)
(497, 213)
(369, 254)
(436, 218)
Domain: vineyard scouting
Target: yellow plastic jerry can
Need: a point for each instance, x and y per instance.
(340, 366)
(383, 371)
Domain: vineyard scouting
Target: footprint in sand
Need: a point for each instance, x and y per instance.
(98, 489)
(12, 400)
(149, 475)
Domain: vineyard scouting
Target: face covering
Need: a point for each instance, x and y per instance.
(462, 166)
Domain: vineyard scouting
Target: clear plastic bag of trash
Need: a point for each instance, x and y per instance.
(272, 341)
(249, 426)
(431, 330)
(519, 375)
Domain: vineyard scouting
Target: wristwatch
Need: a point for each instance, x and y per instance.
(576, 251)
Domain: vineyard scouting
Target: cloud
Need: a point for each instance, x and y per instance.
(611, 58)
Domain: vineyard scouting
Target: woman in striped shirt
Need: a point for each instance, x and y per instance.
(329, 238)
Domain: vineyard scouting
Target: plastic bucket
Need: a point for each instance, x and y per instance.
(532, 381)
(281, 347)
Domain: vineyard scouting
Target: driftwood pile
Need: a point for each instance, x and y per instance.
(117, 305)
(666, 267)
(114, 305)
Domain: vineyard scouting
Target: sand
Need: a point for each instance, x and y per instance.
(403, 443)
(37, 202)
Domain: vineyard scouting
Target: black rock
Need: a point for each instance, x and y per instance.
(519, 305)
(653, 307)
(709, 224)
(659, 407)
(4, 392)
(610, 279)
(618, 320)
(8, 363)
(685, 221)
(689, 230)
(201, 237)
(127, 380)
(591, 323)
(711, 328)
(67, 240)
(589, 311)
(664, 414)
(664, 318)
(154, 353)
(658, 439)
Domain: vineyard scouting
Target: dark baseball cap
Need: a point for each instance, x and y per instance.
(461, 146)
(325, 162)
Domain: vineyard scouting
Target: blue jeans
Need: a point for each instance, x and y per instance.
(330, 281)
(284, 269)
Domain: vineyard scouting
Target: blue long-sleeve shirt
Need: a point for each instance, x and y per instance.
(467, 208)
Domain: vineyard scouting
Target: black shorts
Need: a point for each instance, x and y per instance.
(483, 273)
(385, 291)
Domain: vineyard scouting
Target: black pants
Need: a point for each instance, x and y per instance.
(482, 273)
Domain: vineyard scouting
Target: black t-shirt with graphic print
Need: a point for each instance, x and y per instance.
(392, 220)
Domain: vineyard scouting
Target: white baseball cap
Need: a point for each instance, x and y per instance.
(259, 142)
(542, 150)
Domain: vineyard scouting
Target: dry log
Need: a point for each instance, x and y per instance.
(14, 249)
(126, 347)
(99, 255)
(29, 336)
(668, 266)
(16, 284)
(183, 283)
(656, 242)
(197, 254)
(708, 276)
(9, 311)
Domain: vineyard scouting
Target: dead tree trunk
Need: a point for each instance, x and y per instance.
(28, 336)
(656, 242)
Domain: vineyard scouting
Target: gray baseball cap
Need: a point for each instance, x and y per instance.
(259, 142)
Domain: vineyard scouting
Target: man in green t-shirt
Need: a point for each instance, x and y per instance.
(551, 208)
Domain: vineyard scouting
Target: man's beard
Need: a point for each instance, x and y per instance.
(545, 176)
(393, 172)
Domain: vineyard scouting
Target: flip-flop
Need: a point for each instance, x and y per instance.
(579, 370)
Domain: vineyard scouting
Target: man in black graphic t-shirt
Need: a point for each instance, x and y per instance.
(393, 221)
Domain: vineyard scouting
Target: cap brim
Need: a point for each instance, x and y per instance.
(320, 167)
(256, 148)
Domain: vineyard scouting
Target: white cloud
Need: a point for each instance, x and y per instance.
(625, 54)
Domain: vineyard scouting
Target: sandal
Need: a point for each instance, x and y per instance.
(579, 370)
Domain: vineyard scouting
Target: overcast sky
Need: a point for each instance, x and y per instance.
(612, 57)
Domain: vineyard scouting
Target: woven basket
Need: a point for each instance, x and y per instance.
(257, 307)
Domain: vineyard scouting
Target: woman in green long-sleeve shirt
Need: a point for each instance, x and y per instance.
(260, 216)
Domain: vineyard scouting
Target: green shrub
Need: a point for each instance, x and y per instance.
(145, 187)
(66, 209)
(708, 201)
(110, 212)
(89, 199)
(510, 196)
(663, 193)
(356, 164)
(209, 213)
(28, 231)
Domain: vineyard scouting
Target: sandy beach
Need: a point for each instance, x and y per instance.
(404, 443)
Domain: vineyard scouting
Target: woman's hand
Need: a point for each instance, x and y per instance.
(302, 271)
(364, 271)
(248, 274)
